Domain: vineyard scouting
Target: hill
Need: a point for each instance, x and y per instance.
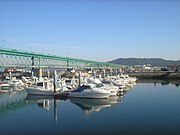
(144, 61)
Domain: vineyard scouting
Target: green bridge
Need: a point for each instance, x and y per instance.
(23, 59)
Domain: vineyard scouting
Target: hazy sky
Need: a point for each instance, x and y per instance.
(99, 30)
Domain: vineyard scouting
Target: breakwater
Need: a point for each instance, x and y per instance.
(156, 75)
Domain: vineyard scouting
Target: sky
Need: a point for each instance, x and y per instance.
(100, 30)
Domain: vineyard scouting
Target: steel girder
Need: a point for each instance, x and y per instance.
(15, 58)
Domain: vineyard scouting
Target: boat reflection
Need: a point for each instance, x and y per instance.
(45, 103)
(12, 97)
(94, 105)
(41, 101)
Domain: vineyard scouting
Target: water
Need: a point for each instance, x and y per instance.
(145, 109)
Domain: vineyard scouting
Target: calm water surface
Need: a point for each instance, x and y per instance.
(145, 109)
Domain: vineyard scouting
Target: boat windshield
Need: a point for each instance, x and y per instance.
(40, 84)
(68, 81)
(87, 87)
(99, 85)
(82, 88)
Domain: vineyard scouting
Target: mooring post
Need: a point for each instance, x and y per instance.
(32, 73)
(48, 74)
(79, 78)
(10, 75)
(104, 73)
(94, 74)
(111, 72)
(55, 80)
(100, 76)
(32, 69)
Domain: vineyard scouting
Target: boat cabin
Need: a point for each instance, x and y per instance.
(44, 85)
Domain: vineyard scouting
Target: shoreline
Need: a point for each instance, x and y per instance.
(166, 75)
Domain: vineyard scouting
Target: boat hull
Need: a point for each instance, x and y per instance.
(34, 91)
(89, 95)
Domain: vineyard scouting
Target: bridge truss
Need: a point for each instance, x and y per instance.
(23, 59)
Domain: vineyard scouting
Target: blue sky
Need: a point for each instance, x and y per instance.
(99, 30)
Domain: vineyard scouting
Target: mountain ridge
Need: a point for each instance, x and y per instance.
(144, 61)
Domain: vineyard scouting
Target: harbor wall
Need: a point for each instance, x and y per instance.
(156, 75)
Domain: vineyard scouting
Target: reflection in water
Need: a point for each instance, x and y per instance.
(9, 100)
(146, 110)
(177, 84)
(87, 105)
(44, 102)
(55, 110)
(12, 100)
(165, 83)
(94, 105)
(41, 101)
(162, 82)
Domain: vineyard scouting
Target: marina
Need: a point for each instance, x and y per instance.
(141, 108)
(89, 67)
(70, 99)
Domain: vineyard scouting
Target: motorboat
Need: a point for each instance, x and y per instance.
(4, 87)
(41, 88)
(46, 87)
(16, 83)
(108, 86)
(88, 91)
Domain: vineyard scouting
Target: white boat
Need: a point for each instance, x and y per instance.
(16, 83)
(41, 88)
(64, 85)
(98, 84)
(4, 88)
(87, 91)
(109, 87)
(45, 87)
